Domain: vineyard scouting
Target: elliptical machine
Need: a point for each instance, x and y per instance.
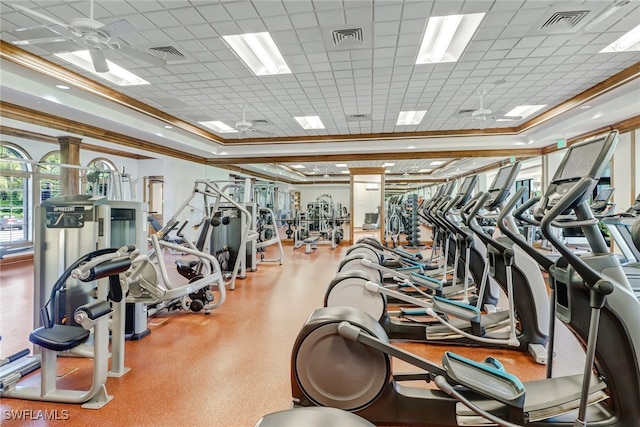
(342, 357)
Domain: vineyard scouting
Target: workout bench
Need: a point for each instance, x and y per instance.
(310, 243)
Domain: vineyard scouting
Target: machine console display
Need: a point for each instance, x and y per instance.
(465, 189)
(501, 185)
(588, 159)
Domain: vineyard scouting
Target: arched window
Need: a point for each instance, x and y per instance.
(15, 178)
(49, 174)
(101, 177)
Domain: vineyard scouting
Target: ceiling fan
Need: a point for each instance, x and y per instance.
(245, 127)
(485, 114)
(92, 35)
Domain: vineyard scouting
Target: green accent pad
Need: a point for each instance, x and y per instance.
(405, 253)
(511, 379)
(414, 311)
(459, 304)
(492, 361)
(421, 276)
(412, 267)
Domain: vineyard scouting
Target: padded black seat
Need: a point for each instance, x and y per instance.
(59, 337)
(186, 264)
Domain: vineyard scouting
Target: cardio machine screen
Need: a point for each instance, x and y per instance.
(604, 195)
(449, 188)
(501, 178)
(581, 160)
(466, 185)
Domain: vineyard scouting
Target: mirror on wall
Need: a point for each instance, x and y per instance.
(367, 203)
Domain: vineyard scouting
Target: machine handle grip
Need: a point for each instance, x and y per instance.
(519, 212)
(106, 269)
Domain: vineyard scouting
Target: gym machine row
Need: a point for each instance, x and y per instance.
(342, 357)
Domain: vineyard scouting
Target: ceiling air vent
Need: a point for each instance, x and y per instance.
(260, 122)
(567, 19)
(168, 53)
(358, 117)
(340, 36)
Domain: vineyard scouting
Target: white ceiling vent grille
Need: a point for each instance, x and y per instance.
(358, 117)
(340, 36)
(168, 53)
(260, 122)
(566, 19)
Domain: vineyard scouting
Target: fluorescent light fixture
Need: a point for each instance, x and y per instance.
(218, 126)
(298, 166)
(387, 171)
(310, 122)
(259, 52)
(437, 163)
(410, 117)
(446, 37)
(116, 74)
(524, 110)
(345, 172)
(388, 165)
(63, 87)
(168, 127)
(342, 165)
(425, 170)
(607, 13)
(628, 42)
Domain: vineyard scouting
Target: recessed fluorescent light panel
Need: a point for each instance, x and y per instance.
(259, 52)
(298, 166)
(310, 122)
(406, 118)
(425, 170)
(388, 165)
(437, 163)
(628, 42)
(446, 37)
(342, 165)
(218, 126)
(116, 74)
(524, 110)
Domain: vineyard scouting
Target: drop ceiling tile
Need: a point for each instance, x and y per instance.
(302, 6)
(304, 20)
(387, 11)
(330, 18)
(255, 25)
(359, 15)
(226, 28)
(210, 12)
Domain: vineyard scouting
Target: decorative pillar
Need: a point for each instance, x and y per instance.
(69, 155)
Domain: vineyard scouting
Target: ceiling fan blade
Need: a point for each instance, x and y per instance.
(144, 56)
(117, 28)
(99, 61)
(39, 41)
(260, 132)
(41, 15)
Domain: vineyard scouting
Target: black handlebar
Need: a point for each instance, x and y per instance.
(519, 212)
(468, 206)
(589, 275)
(544, 262)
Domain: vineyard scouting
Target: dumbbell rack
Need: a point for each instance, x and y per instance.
(413, 231)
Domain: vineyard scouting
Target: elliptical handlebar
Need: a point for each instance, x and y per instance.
(544, 262)
(468, 206)
(519, 212)
(588, 274)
